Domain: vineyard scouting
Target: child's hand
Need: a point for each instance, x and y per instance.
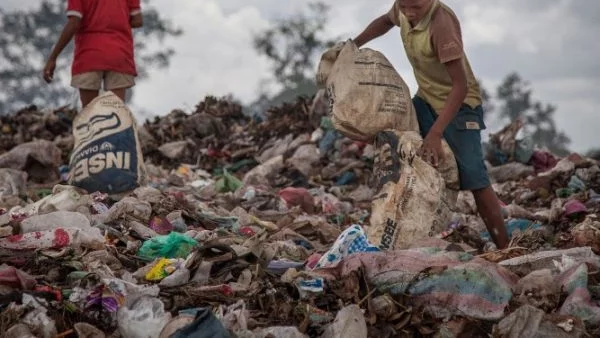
(49, 70)
(431, 150)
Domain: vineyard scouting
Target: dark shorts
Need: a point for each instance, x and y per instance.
(463, 135)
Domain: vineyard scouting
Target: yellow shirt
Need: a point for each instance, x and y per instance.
(435, 40)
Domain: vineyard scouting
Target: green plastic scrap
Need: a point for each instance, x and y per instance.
(326, 123)
(173, 245)
(564, 192)
(228, 183)
(41, 193)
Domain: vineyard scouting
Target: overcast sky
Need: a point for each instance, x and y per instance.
(551, 43)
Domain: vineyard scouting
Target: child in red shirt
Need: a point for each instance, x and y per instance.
(103, 46)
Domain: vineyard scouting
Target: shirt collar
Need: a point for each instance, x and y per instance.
(424, 23)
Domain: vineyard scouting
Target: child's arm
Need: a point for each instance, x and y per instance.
(379, 26)
(135, 14)
(137, 20)
(455, 99)
(447, 43)
(67, 34)
(431, 150)
(375, 29)
(446, 38)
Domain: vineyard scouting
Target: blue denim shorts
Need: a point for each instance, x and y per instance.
(463, 135)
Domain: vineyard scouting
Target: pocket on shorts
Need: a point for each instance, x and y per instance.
(469, 119)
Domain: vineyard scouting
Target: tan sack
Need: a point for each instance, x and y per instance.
(366, 94)
(412, 200)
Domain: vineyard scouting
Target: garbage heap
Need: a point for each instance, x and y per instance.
(251, 228)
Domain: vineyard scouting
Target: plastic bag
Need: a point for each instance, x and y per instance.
(298, 196)
(53, 220)
(173, 245)
(12, 182)
(266, 170)
(205, 325)
(228, 183)
(304, 159)
(55, 239)
(129, 207)
(349, 323)
(41, 324)
(160, 225)
(143, 318)
(352, 240)
(163, 268)
(63, 198)
(528, 321)
(40, 159)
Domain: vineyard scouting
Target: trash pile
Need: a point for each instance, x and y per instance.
(250, 228)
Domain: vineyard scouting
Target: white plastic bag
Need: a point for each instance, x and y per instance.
(145, 317)
(53, 220)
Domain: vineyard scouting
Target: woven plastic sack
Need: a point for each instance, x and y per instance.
(412, 199)
(107, 155)
(366, 95)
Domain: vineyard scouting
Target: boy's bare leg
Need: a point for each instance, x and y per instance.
(120, 92)
(490, 211)
(87, 96)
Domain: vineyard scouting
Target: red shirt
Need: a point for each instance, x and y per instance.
(105, 40)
